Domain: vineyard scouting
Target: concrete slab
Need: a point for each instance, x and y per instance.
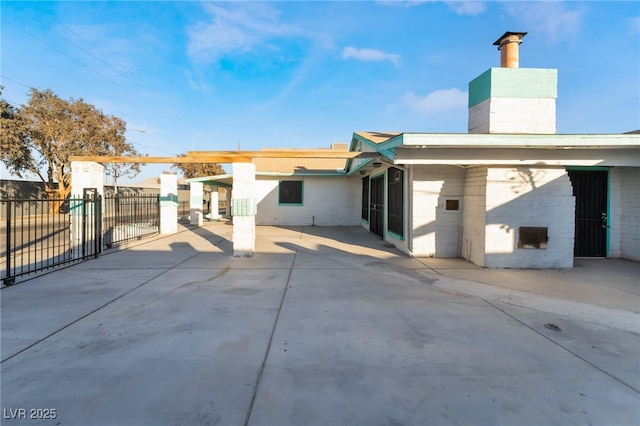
(323, 326)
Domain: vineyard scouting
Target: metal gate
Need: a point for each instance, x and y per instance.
(376, 206)
(129, 217)
(42, 234)
(590, 190)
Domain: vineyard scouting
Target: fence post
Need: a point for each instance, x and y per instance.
(8, 279)
(84, 174)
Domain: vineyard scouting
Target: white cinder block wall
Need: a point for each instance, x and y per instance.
(624, 234)
(436, 231)
(474, 205)
(498, 201)
(327, 201)
(523, 197)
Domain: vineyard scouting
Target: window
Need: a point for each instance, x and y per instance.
(365, 198)
(290, 192)
(395, 201)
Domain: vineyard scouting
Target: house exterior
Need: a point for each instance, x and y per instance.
(510, 193)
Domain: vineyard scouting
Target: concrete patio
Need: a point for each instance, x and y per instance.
(324, 326)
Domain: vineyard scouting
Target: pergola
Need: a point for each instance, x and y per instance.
(222, 156)
(243, 180)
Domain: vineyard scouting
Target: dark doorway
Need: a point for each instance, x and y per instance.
(376, 206)
(590, 190)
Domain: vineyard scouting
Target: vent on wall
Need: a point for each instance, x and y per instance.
(533, 237)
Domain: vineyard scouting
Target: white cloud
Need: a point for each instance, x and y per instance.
(438, 101)
(466, 7)
(554, 19)
(370, 55)
(235, 28)
(461, 7)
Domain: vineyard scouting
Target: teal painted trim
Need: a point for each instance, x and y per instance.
(396, 236)
(170, 200)
(523, 83)
(382, 173)
(291, 204)
(361, 165)
(480, 88)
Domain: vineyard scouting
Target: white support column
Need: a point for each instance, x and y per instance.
(84, 175)
(244, 209)
(168, 203)
(228, 194)
(196, 198)
(215, 213)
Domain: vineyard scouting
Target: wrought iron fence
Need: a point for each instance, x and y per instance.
(42, 234)
(128, 217)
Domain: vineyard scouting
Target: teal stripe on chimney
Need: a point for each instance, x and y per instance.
(537, 83)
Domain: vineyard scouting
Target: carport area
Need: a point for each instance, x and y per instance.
(323, 326)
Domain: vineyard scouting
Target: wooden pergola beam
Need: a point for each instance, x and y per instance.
(279, 153)
(220, 156)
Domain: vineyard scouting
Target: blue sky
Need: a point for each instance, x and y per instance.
(212, 75)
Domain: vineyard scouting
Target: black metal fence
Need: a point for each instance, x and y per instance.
(42, 234)
(128, 217)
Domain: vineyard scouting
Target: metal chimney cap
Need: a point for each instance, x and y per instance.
(498, 42)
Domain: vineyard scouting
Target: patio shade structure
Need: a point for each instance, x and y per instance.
(243, 177)
(221, 156)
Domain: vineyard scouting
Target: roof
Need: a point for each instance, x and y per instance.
(303, 165)
(378, 137)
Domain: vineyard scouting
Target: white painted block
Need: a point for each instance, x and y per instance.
(168, 203)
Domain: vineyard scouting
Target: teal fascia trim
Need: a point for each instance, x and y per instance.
(379, 147)
(361, 165)
(535, 83)
(212, 180)
(396, 236)
(382, 173)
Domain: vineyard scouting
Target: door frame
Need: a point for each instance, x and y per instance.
(608, 201)
(380, 177)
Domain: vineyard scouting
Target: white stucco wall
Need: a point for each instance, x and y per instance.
(474, 204)
(529, 197)
(436, 231)
(327, 201)
(624, 217)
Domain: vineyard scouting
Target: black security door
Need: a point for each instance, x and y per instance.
(590, 190)
(376, 207)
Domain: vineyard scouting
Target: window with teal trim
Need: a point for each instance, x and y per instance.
(395, 201)
(290, 192)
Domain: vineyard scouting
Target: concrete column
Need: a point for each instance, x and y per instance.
(196, 193)
(84, 175)
(215, 214)
(244, 209)
(168, 203)
(227, 212)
